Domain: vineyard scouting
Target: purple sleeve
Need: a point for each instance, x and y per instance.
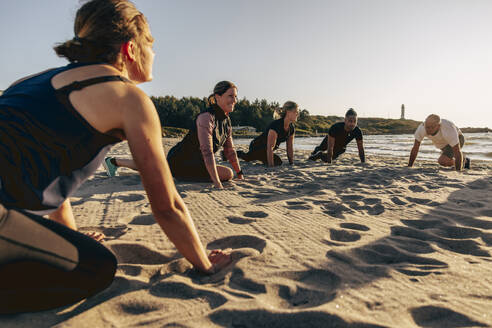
(230, 153)
(205, 127)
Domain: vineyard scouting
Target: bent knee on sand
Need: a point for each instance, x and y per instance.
(445, 160)
(225, 173)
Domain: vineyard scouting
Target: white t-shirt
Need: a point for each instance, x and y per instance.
(447, 134)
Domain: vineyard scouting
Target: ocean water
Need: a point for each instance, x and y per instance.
(477, 145)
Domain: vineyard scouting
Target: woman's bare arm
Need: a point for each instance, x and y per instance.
(142, 129)
(271, 141)
(290, 149)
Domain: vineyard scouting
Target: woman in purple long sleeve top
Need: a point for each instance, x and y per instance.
(192, 159)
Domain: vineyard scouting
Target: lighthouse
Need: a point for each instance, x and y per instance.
(402, 112)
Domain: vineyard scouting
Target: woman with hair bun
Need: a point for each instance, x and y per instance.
(192, 159)
(55, 128)
(280, 130)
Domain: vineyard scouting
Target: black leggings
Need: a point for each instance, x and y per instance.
(323, 146)
(188, 170)
(259, 155)
(44, 265)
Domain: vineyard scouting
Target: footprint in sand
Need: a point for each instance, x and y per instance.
(266, 318)
(460, 246)
(133, 253)
(336, 209)
(312, 186)
(143, 220)
(422, 201)
(417, 188)
(398, 201)
(487, 238)
(131, 198)
(240, 241)
(371, 201)
(436, 316)
(260, 195)
(354, 226)
(242, 246)
(130, 270)
(131, 180)
(402, 259)
(453, 232)
(422, 224)
(255, 214)
(136, 307)
(298, 205)
(182, 293)
(239, 281)
(344, 235)
(376, 209)
(239, 220)
(352, 197)
(309, 288)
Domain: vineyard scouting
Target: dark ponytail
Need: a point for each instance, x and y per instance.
(83, 51)
(219, 89)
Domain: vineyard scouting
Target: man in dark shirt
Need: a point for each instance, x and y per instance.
(339, 135)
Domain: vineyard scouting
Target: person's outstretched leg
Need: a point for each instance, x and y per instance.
(317, 153)
(276, 160)
(44, 265)
(111, 164)
(323, 146)
(244, 156)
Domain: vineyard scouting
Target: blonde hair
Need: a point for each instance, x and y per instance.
(101, 27)
(281, 112)
(219, 89)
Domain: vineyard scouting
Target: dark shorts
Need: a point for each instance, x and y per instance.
(58, 267)
(448, 150)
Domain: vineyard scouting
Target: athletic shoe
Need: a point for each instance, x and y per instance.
(467, 163)
(110, 167)
(315, 156)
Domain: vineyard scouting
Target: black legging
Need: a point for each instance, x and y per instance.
(323, 146)
(188, 169)
(258, 155)
(44, 265)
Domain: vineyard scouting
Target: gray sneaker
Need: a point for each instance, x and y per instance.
(110, 167)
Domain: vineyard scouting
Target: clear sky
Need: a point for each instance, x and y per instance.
(434, 56)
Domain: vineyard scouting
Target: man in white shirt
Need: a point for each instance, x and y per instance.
(445, 136)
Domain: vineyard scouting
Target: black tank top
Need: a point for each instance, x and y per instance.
(261, 141)
(47, 149)
(189, 147)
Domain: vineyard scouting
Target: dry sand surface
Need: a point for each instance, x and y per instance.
(346, 245)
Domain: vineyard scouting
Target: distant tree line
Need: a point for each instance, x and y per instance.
(180, 113)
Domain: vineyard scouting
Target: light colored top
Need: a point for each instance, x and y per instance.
(447, 135)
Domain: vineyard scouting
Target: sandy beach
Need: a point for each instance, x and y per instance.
(345, 245)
